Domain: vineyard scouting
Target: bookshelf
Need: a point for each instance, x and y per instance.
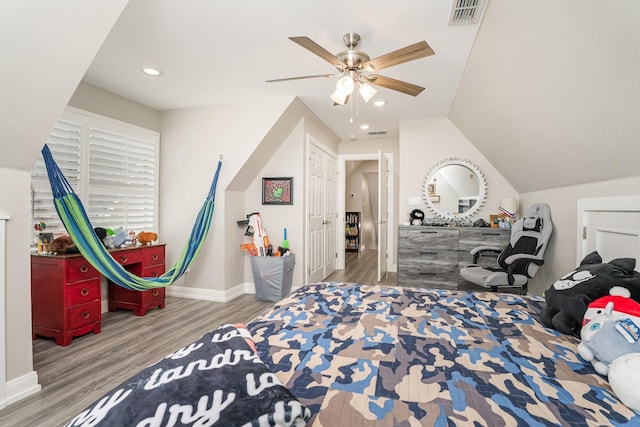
(352, 232)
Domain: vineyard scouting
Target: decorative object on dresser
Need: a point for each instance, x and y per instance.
(431, 257)
(66, 294)
(352, 232)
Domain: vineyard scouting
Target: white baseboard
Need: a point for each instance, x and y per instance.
(22, 387)
(209, 294)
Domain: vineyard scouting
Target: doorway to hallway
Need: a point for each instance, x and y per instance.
(361, 267)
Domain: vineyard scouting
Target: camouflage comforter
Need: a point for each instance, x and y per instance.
(364, 355)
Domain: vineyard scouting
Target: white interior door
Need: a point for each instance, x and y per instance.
(321, 213)
(610, 226)
(383, 213)
(330, 214)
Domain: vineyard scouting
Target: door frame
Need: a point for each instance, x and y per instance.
(342, 165)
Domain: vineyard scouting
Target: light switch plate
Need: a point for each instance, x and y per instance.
(414, 200)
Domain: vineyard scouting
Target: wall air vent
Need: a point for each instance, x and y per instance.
(377, 132)
(465, 12)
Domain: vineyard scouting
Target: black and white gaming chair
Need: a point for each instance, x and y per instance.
(522, 257)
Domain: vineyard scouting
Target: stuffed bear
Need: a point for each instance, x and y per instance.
(63, 245)
(608, 336)
(146, 237)
(568, 298)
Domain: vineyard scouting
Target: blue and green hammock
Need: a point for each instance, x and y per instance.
(76, 221)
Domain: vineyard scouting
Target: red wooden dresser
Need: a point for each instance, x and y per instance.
(144, 261)
(65, 297)
(66, 294)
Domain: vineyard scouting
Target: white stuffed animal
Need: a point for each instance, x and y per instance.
(624, 377)
(608, 336)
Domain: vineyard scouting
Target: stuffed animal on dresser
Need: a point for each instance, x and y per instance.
(63, 245)
(146, 237)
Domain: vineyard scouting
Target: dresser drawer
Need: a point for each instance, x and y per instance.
(153, 255)
(82, 292)
(152, 295)
(79, 269)
(411, 239)
(155, 271)
(127, 257)
(83, 315)
(471, 238)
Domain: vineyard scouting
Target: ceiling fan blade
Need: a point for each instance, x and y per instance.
(406, 54)
(298, 78)
(323, 53)
(400, 86)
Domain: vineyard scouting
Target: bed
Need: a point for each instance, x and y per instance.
(364, 355)
(346, 354)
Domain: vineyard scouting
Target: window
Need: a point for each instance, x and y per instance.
(112, 166)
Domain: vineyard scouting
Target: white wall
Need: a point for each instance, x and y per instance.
(561, 255)
(287, 161)
(191, 142)
(423, 143)
(15, 201)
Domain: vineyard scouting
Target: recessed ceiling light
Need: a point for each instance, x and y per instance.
(364, 126)
(151, 71)
(379, 102)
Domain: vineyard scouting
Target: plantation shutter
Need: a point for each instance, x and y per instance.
(122, 176)
(112, 167)
(65, 142)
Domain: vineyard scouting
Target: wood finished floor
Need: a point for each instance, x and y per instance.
(362, 267)
(73, 377)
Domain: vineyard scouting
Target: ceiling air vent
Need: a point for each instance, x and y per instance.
(464, 12)
(377, 132)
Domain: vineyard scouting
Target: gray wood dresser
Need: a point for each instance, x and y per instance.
(431, 257)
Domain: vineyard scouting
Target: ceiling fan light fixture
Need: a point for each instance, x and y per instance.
(339, 97)
(366, 91)
(345, 85)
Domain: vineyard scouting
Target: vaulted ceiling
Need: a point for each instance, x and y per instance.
(548, 91)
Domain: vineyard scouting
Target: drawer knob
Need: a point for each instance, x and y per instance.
(85, 315)
(155, 257)
(84, 292)
(155, 292)
(84, 268)
(154, 274)
(123, 258)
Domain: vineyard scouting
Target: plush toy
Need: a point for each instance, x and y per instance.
(622, 305)
(146, 237)
(63, 245)
(569, 297)
(624, 377)
(608, 336)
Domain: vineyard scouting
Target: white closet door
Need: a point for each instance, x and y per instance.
(610, 226)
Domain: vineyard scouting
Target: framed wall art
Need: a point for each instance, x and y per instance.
(277, 191)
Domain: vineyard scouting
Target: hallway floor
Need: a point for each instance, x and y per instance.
(362, 267)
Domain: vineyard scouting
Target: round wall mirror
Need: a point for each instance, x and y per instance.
(454, 189)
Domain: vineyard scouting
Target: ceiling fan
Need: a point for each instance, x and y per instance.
(352, 65)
